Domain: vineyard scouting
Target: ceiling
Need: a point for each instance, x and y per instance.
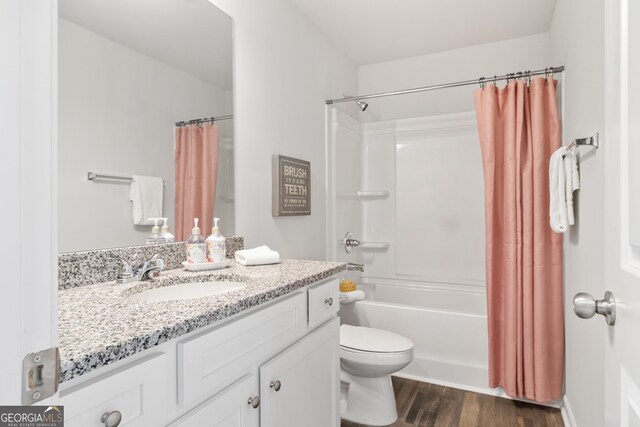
(191, 35)
(372, 31)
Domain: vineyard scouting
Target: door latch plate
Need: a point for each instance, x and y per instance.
(40, 375)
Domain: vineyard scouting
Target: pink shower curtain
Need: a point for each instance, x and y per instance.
(196, 171)
(519, 128)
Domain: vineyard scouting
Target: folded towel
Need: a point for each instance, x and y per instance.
(258, 256)
(348, 297)
(146, 195)
(563, 181)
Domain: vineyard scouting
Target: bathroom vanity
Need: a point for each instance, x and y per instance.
(265, 353)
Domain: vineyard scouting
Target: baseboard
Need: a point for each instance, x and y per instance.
(567, 413)
(497, 392)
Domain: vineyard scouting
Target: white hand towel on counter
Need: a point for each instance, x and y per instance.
(563, 181)
(146, 195)
(258, 256)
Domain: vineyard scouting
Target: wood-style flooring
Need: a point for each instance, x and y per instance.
(429, 405)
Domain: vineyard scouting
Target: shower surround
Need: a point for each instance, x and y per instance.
(429, 285)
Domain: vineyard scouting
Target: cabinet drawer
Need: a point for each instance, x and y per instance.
(324, 302)
(138, 391)
(212, 360)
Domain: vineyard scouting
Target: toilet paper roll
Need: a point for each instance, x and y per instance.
(348, 297)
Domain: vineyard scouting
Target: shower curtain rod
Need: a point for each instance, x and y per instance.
(205, 120)
(481, 81)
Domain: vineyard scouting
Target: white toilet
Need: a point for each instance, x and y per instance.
(368, 357)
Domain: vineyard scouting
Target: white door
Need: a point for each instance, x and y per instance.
(300, 386)
(622, 210)
(236, 406)
(28, 252)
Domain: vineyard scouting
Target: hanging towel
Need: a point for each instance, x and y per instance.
(572, 182)
(146, 195)
(563, 181)
(258, 256)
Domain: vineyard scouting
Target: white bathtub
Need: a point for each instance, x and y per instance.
(447, 324)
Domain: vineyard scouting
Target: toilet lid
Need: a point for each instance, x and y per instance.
(374, 340)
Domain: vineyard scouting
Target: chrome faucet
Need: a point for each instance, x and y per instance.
(147, 270)
(352, 266)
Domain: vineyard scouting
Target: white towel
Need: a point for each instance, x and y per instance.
(563, 181)
(353, 296)
(572, 182)
(146, 195)
(258, 256)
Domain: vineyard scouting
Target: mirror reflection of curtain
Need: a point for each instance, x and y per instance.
(196, 171)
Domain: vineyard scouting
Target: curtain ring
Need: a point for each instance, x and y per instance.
(510, 76)
(527, 77)
(548, 72)
(482, 83)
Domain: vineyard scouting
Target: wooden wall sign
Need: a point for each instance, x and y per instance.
(291, 182)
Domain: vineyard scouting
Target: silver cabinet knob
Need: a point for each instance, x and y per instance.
(585, 306)
(275, 385)
(111, 419)
(328, 301)
(254, 401)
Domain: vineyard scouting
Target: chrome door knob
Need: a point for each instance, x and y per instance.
(111, 419)
(254, 401)
(585, 306)
(275, 385)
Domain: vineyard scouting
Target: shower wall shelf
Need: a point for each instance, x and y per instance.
(373, 194)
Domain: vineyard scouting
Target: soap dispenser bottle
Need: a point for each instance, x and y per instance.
(154, 237)
(164, 232)
(216, 246)
(196, 246)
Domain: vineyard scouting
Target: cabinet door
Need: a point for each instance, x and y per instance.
(232, 407)
(300, 386)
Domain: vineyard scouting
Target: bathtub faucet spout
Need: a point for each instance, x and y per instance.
(352, 266)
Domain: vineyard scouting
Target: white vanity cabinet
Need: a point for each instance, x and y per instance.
(275, 366)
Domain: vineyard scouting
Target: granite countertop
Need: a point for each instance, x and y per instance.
(98, 326)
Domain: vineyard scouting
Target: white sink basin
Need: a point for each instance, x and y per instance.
(187, 291)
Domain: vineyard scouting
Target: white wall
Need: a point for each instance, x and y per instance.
(284, 71)
(117, 108)
(526, 53)
(577, 41)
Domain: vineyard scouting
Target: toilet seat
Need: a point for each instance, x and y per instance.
(359, 339)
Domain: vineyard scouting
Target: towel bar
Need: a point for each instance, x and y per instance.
(97, 175)
(94, 175)
(592, 141)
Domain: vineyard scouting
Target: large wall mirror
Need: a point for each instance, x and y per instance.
(128, 72)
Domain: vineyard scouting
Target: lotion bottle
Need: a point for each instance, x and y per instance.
(154, 237)
(216, 246)
(196, 246)
(164, 232)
